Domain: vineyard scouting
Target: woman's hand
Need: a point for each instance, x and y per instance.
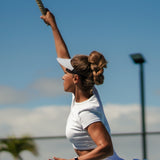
(49, 19)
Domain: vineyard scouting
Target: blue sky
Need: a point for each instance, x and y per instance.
(30, 75)
(31, 90)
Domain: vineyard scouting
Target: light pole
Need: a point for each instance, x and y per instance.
(139, 59)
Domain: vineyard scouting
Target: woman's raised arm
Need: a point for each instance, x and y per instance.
(61, 48)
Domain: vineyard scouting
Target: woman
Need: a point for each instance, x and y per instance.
(87, 127)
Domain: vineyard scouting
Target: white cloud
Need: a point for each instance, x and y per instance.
(49, 87)
(153, 118)
(127, 118)
(10, 95)
(51, 120)
(43, 87)
(41, 121)
(123, 118)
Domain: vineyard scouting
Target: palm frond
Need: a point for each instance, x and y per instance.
(15, 145)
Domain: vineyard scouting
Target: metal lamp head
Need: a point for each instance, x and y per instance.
(137, 58)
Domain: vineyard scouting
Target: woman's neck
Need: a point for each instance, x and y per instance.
(81, 96)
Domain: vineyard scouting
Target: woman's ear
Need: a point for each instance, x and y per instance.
(76, 79)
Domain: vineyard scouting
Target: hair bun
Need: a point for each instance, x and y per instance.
(98, 62)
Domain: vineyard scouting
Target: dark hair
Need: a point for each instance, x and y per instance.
(90, 69)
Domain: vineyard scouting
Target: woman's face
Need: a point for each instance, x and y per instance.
(68, 82)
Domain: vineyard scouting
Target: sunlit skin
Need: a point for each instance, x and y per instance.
(72, 83)
(68, 83)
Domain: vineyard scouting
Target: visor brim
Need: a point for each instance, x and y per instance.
(65, 63)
